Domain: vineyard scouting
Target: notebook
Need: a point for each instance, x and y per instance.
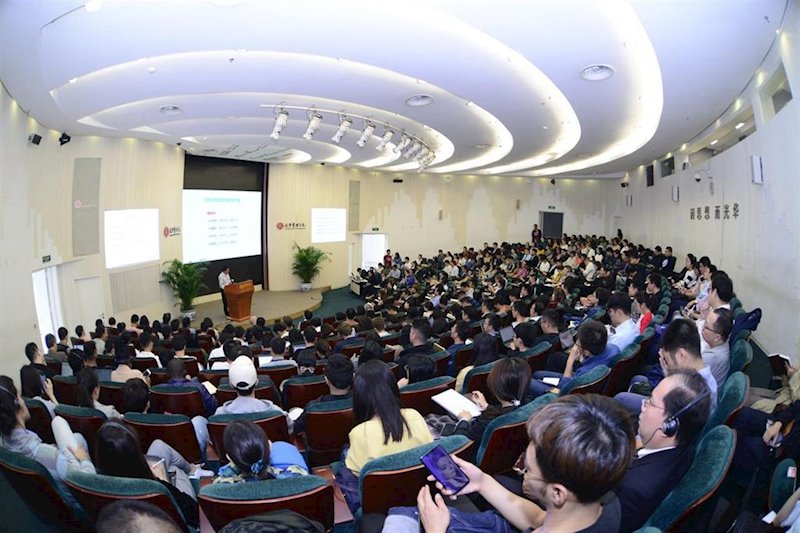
(454, 403)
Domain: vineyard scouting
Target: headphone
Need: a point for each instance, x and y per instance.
(672, 424)
(14, 396)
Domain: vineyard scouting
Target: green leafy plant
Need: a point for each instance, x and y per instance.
(185, 280)
(307, 262)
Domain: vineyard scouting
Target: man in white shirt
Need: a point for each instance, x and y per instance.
(224, 279)
(624, 329)
(146, 340)
(714, 332)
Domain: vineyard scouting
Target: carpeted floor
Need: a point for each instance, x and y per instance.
(336, 300)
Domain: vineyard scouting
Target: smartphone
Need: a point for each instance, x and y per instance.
(445, 470)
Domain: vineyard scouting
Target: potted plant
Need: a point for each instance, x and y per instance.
(307, 264)
(186, 281)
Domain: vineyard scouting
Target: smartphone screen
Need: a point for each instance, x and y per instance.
(445, 470)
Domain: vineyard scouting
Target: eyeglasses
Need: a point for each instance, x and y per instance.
(648, 402)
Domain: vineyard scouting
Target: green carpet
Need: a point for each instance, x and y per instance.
(336, 300)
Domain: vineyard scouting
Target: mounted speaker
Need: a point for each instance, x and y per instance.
(756, 170)
(33, 138)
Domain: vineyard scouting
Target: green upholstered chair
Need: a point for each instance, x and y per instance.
(648, 529)
(658, 319)
(624, 366)
(272, 422)
(591, 382)
(463, 358)
(395, 480)
(40, 422)
(158, 376)
(300, 390)
(782, 486)
(192, 365)
(83, 420)
(310, 496)
(214, 376)
(709, 466)
(327, 430)
(536, 357)
(442, 360)
(95, 491)
(278, 372)
(476, 379)
(736, 303)
(730, 399)
(65, 389)
(506, 437)
(111, 394)
(40, 493)
(741, 356)
(143, 364)
(177, 400)
(418, 395)
(175, 430)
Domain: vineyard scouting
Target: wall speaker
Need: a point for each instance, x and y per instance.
(33, 138)
(518, 204)
(676, 193)
(756, 170)
(397, 180)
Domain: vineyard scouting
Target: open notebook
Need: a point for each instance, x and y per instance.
(455, 403)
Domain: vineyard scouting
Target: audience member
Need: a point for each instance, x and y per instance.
(87, 392)
(623, 328)
(37, 387)
(339, 378)
(134, 516)
(243, 377)
(714, 333)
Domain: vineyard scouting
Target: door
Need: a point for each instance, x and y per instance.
(552, 225)
(47, 301)
(373, 246)
(90, 300)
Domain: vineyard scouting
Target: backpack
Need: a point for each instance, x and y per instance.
(276, 521)
(749, 321)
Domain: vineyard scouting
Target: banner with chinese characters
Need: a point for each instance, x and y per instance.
(721, 212)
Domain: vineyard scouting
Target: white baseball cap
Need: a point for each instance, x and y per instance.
(242, 373)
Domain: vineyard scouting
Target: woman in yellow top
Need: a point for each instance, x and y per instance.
(382, 427)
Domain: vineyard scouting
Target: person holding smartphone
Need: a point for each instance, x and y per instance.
(580, 447)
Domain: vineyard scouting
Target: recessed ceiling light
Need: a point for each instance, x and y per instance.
(544, 127)
(419, 100)
(170, 110)
(597, 72)
(715, 141)
(73, 80)
(739, 125)
(483, 146)
(151, 69)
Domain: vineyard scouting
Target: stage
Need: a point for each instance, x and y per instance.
(271, 305)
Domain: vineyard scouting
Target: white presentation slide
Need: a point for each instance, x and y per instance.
(328, 225)
(220, 224)
(131, 237)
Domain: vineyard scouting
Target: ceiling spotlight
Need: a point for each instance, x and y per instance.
(64, 139)
(368, 129)
(170, 110)
(387, 136)
(416, 146)
(344, 125)
(405, 140)
(553, 181)
(280, 122)
(597, 72)
(712, 143)
(739, 125)
(93, 5)
(73, 80)
(313, 126)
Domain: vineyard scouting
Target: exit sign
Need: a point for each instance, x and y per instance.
(551, 207)
(45, 259)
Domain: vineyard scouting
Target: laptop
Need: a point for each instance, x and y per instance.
(507, 334)
(567, 339)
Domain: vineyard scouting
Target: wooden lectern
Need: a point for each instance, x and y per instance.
(240, 297)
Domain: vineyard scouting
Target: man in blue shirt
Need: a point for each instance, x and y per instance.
(590, 351)
(177, 377)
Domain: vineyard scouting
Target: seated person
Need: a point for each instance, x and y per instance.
(118, 453)
(665, 456)
(35, 356)
(229, 349)
(418, 368)
(339, 378)
(372, 350)
(508, 382)
(382, 427)
(124, 372)
(14, 437)
(88, 391)
(623, 327)
(575, 493)
(281, 355)
(549, 324)
(36, 387)
(590, 350)
(714, 347)
(306, 361)
(90, 361)
(132, 516)
(646, 304)
(253, 457)
(349, 338)
(485, 352)
(419, 336)
(146, 340)
(525, 335)
(176, 369)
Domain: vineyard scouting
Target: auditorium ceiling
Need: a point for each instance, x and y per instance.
(504, 87)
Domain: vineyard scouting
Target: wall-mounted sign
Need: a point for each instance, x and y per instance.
(45, 259)
(171, 231)
(721, 212)
(290, 225)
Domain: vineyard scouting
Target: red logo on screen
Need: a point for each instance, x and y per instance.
(279, 225)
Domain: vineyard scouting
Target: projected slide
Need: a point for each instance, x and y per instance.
(220, 224)
(130, 237)
(328, 225)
